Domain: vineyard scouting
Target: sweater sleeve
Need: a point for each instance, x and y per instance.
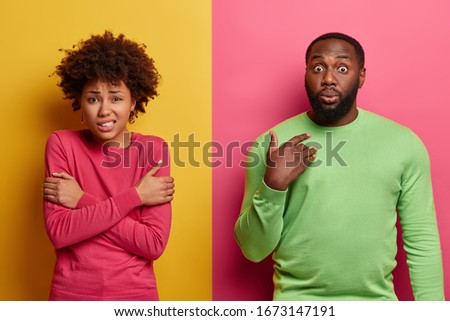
(147, 236)
(419, 227)
(69, 226)
(260, 223)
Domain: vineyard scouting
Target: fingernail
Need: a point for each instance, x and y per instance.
(159, 162)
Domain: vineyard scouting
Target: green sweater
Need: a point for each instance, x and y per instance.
(333, 231)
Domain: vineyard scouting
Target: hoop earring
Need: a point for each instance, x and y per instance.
(132, 117)
(82, 119)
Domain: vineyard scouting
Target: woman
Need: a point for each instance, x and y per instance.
(107, 192)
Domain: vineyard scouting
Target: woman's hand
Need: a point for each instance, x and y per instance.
(62, 189)
(155, 190)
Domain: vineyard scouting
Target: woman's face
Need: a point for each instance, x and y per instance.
(106, 108)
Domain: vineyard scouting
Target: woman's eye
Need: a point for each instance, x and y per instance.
(116, 99)
(318, 68)
(343, 69)
(92, 99)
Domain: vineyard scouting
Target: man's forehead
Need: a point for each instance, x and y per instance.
(333, 47)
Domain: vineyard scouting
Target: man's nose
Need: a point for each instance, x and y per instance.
(329, 78)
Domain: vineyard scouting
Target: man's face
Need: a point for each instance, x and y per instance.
(333, 77)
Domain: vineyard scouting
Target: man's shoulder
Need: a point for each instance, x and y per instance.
(400, 135)
(293, 122)
(373, 119)
(290, 126)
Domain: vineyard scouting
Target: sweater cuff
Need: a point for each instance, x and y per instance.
(271, 195)
(86, 200)
(127, 201)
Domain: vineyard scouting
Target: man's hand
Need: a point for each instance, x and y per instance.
(288, 162)
(155, 190)
(62, 189)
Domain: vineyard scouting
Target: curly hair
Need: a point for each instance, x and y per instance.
(112, 59)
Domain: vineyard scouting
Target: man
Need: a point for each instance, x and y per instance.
(325, 202)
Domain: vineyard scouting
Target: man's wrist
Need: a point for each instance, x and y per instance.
(274, 185)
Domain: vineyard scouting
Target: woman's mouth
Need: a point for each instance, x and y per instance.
(106, 126)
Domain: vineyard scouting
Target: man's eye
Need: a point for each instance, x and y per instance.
(343, 69)
(318, 68)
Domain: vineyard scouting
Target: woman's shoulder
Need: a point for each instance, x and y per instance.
(156, 148)
(65, 142)
(65, 136)
(66, 133)
(147, 139)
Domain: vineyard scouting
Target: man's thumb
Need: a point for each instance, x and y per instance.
(273, 145)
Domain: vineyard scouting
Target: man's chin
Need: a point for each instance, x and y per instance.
(326, 107)
(328, 113)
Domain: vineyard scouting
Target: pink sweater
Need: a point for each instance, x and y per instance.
(105, 247)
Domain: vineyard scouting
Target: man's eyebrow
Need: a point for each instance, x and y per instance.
(344, 57)
(316, 57)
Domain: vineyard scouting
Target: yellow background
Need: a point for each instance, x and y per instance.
(178, 36)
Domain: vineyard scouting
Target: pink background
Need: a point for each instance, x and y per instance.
(258, 70)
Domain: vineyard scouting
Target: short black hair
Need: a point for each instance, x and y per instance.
(337, 35)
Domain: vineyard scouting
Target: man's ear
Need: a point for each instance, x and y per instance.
(362, 77)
